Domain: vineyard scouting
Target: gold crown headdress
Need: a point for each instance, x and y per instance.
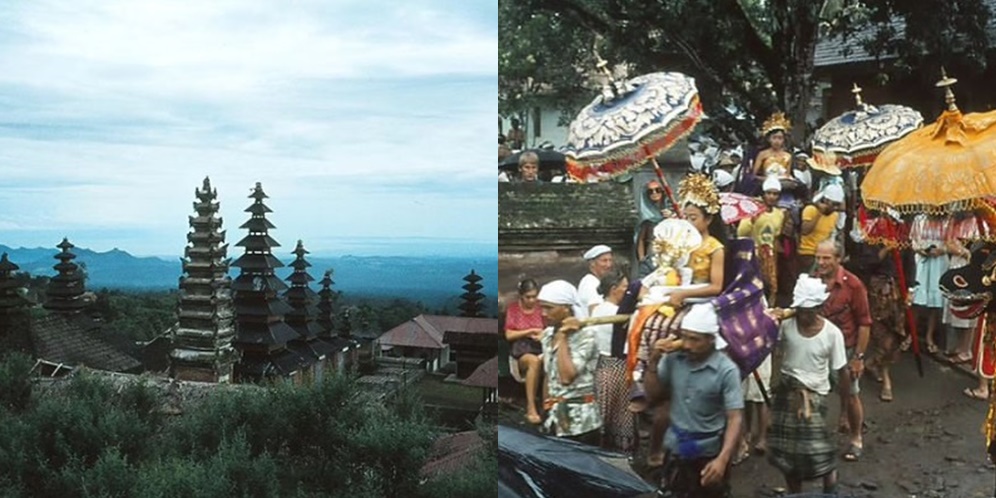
(777, 122)
(698, 189)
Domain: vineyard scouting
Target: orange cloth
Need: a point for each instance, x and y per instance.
(635, 332)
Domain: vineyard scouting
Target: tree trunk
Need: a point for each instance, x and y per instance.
(797, 84)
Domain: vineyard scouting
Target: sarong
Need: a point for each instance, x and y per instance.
(801, 448)
(644, 334)
(888, 319)
(619, 424)
(768, 260)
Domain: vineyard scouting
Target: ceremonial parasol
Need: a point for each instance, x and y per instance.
(943, 168)
(629, 123)
(857, 136)
(734, 207)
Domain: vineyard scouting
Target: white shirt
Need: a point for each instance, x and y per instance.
(811, 359)
(603, 333)
(588, 292)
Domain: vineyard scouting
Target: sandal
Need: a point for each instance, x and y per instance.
(744, 454)
(534, 419)
(853, 453)
(933, 349)
(975, 394)
(960, 358)
(886, 395)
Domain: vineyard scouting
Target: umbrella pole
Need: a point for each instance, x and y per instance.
(910, 320)
(760, 384)
(667, 186)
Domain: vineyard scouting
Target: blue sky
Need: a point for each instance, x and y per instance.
(369, 123)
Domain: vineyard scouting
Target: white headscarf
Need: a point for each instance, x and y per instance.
(722, 178)
(809, 292)
(771, 184)
(702, 319)
(832, 193)
(562, 293)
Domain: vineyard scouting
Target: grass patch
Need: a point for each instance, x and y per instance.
(434, 391)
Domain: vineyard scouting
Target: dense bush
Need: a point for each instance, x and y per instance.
(94, 438)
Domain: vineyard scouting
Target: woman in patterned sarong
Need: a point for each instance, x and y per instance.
(619, 424)
(878, 271)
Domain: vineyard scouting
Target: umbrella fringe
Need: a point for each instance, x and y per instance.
(615, 164)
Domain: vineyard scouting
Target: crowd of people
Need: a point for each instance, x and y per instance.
(834, 294)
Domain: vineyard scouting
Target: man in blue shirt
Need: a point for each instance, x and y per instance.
(706, 406)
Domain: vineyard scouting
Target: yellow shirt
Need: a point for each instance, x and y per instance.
(700, 260)
(764, 229)
(822, 231)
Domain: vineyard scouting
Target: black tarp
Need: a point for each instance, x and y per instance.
(533, 466)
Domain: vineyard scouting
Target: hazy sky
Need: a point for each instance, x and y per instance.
(370, 123)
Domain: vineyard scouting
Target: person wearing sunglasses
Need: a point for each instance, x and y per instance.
(654, 208)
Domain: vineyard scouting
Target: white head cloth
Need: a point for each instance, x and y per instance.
(562, 293)
(702, 319)
(596, 251)
(771, 184)
(721, 178)
(832, 193)
(809, 292)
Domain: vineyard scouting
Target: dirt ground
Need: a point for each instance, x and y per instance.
(927, 443)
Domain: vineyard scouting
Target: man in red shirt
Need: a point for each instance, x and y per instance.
(847, 308)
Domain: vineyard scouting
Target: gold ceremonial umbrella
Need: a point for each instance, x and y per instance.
(943, 168)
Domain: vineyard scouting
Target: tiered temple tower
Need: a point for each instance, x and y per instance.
(303, 316)
(261, 333)
(471, 304)
(65, 290)
(326, 306)
(12, 304)
(202, 343)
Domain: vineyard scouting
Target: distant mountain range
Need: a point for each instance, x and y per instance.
(436, 281)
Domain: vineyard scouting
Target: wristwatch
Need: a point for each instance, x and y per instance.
(860, 356)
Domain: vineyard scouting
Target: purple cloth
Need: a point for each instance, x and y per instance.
(750, 333)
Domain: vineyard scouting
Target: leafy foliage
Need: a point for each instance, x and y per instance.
(92, 438)
(754, 56)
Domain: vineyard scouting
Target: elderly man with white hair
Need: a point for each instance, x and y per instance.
(600, 263)
(810, 350)
(706, 405)
(570, 357)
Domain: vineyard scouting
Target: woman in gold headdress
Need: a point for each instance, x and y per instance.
(699, 202)
(775, 160)
(700, 206)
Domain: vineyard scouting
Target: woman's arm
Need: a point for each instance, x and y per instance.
(641, 242)
(516, 335)
(760, 159)
(715, 286)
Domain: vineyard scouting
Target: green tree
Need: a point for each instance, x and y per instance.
(751, 55)
(90, 437)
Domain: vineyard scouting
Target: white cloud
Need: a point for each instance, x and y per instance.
(111, 113)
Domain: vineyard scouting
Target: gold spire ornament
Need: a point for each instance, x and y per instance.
(857, 96)
(698, 189)
(777, 122)
(946, 83)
